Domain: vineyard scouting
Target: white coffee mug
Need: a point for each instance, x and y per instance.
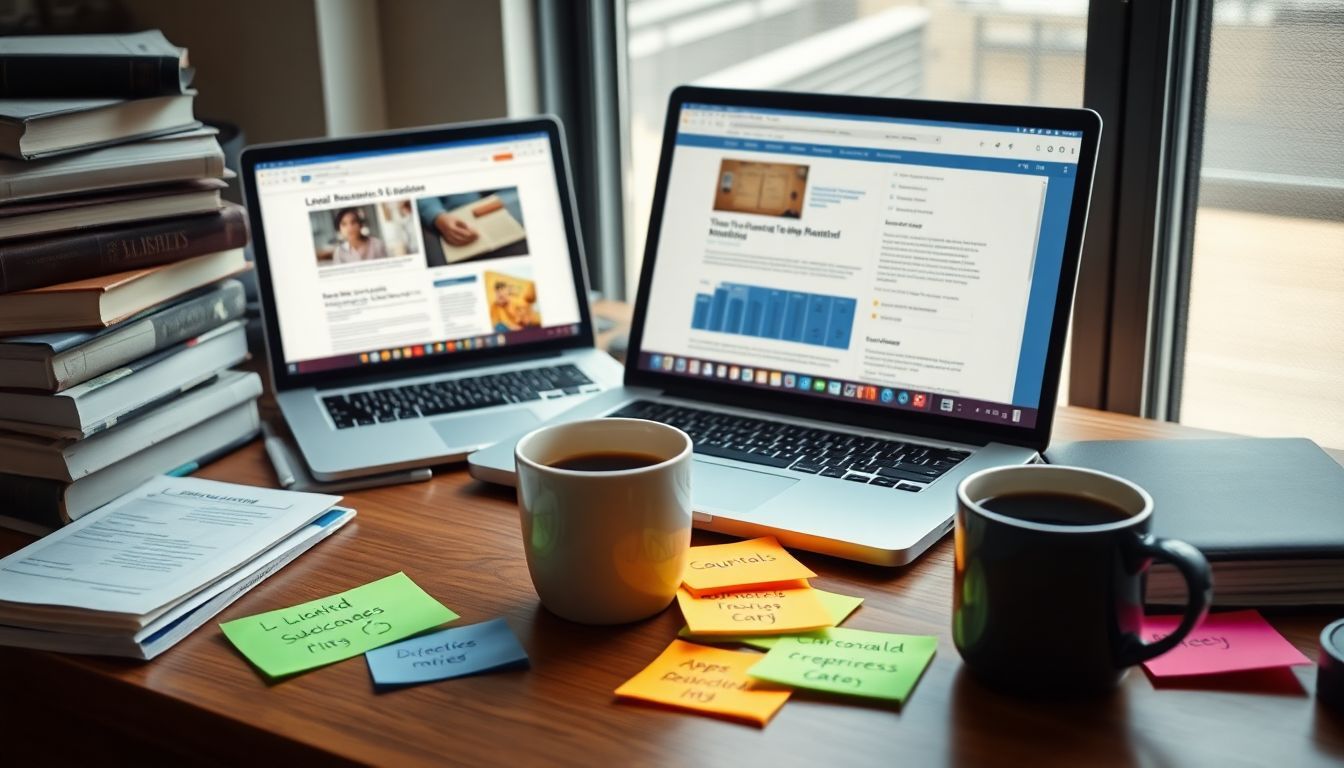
(605, 547)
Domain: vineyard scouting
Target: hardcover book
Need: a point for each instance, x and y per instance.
(112, 66)
(78, 255)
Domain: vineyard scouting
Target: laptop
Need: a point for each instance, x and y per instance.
(850, 304)
(423, 292)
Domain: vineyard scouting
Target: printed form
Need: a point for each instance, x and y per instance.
(146, 551)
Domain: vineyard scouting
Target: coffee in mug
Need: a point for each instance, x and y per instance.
(1050, 565)
(605, 507)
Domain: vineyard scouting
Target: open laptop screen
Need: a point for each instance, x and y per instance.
(407, 252)
(902, 264)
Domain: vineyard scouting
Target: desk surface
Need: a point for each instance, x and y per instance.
(459, 539)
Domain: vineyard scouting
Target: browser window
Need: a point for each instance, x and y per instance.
(902, 263)
(402, 253)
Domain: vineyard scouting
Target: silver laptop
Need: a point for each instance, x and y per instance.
(850, 304)
(423, 292)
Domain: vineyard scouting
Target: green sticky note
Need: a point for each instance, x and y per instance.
(335, 628)
(849, 661)
(839, 606)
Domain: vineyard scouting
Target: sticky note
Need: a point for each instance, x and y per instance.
(751, 563)
(763, 612)
(709, 680)
(1235, 641)
(839, 607)
(446, 654)
(849, 661)
(335, 628)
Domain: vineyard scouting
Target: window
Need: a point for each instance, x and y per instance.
(1015, 51)
(1264, 324)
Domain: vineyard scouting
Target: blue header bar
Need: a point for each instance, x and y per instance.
(934, 159)
(1033, 130)
(398, 150)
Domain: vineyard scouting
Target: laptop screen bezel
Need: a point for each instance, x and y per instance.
(928, 424)
(503, 129)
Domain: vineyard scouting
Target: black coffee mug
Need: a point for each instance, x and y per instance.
(1050, 565)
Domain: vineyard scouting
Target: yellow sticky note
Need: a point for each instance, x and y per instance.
(709, 680)
(838, 606)
(754, 612)
(752, 563)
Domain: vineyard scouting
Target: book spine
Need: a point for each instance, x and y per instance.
(170, 326)
(37, 263)
(59, 76)
(204, 161)
(33, 500)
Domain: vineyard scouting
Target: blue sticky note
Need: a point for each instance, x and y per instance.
(446, 654)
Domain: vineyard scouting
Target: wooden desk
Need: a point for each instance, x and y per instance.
(459, 539)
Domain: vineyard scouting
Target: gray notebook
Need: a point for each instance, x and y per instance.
(1267, 512)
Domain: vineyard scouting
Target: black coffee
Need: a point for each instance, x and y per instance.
(1055, 508)
(610, 461)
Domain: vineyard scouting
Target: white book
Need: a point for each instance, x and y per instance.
(101, 402)
(44, 505)
(175, 157)
(44, 217)
(68, 459)
(31, 128)
(133, 561)
(165, 632)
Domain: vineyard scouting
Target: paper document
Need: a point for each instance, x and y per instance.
(153, 547)
(184, 618)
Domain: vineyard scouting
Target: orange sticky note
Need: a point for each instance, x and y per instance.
(743, 564)
(754, 612)
(709, 680)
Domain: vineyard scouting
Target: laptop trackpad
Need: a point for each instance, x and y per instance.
(470, 431)
(732, 488)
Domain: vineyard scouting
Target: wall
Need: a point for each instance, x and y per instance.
(258, 62)
(442, 61)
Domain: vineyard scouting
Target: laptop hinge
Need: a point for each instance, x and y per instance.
(355, 381)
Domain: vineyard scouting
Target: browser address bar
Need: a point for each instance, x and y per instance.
(801, 132)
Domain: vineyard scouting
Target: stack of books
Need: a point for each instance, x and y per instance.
(119, 316)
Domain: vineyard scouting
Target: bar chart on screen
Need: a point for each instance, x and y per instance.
(771, 313)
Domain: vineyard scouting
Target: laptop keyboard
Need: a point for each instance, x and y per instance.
(435, 398)
(896, 464)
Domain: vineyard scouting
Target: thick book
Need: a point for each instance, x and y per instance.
(39, 504)
(128, 66)
(51, 362)
(68, 459)
(1268, 513)
(117, 207)
(174, 157)
(32, 128)
(102, 301)
(102, 402)
(166, 631)
(41, 262)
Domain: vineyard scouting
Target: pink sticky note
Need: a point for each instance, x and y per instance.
(1225, 642)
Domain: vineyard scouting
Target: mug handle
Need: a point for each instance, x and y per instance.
(1199, 584)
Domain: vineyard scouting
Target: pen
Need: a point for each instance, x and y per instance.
(283, 472)
(182, 470)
